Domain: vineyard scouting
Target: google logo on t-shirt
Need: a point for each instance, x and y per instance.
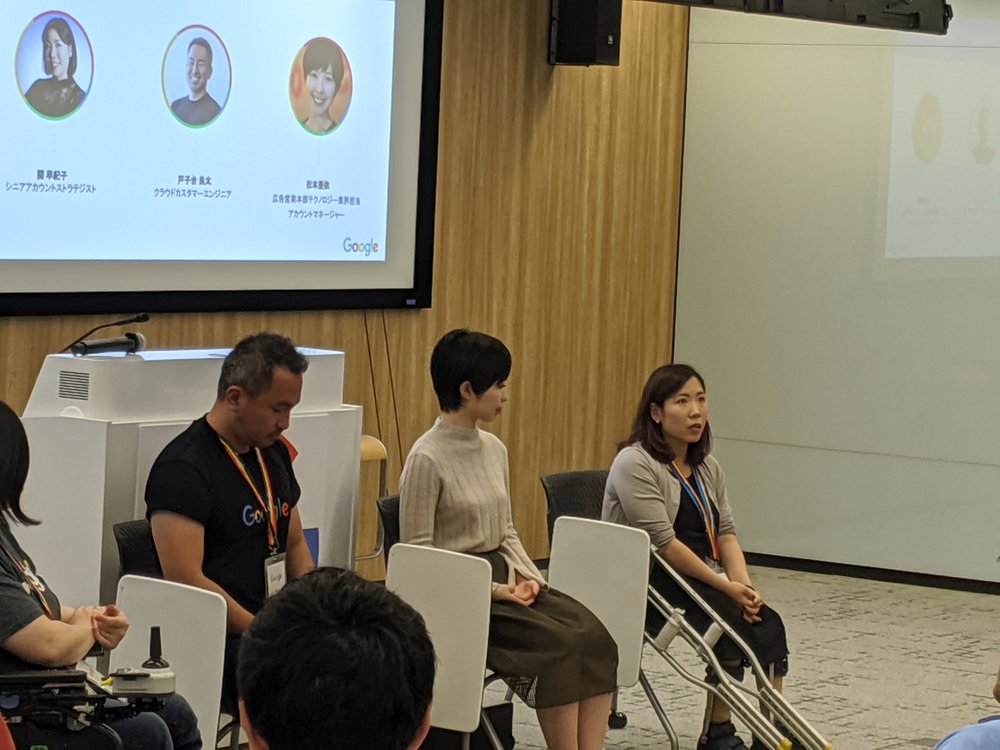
(252, 516)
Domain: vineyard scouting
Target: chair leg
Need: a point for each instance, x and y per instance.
(232, 730)
(616, 720)
(658, 710)
(491, 733)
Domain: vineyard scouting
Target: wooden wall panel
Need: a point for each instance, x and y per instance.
(558, 200)
(558, 203)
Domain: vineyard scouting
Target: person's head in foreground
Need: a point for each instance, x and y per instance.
(335, 661)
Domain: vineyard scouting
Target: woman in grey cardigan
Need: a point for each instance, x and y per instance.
(665, 481)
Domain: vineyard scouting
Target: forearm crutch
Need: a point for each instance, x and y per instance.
(732, 692)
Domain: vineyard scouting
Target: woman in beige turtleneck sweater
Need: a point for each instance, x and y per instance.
(455, 494)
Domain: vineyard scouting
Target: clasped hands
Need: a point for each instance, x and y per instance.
(522, 591)
(108, 624)
(747, 597)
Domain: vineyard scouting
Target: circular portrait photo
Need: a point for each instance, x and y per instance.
(55, 65)
(320, 86)
(197, 76)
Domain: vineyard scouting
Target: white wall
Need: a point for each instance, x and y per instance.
(854, 383)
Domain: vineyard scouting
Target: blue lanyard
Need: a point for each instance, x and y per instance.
(701, 502)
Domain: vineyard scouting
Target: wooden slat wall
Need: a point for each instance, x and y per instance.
(558, 202)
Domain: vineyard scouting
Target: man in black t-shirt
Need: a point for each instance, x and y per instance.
(221, 497)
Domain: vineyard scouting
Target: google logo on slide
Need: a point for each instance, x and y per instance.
(368, 248)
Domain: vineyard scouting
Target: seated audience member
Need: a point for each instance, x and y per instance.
(221, 497)
(454, 494)
(38, 632)
(335, 661)
(982, 736)
(664, 480)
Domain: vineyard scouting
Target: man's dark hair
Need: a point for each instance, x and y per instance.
(203, 43)
(252, 362)
(335, 661)
(663, 383)
(65, 33)
(13, 465)
(462, 355)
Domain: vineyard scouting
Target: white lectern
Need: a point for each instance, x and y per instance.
(96, 423)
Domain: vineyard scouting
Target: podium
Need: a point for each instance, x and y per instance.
(96, 423)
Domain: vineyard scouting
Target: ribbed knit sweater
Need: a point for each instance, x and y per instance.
(455, 494)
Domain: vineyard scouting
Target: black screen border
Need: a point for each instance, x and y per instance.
(227, 300)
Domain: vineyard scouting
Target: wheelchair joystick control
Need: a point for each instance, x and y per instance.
(154, 677)
(155, 660)
(669, 630)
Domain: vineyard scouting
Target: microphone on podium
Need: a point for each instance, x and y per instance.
(140, 318)
(130, 343)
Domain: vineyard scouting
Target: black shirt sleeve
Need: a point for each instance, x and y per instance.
(179, 487)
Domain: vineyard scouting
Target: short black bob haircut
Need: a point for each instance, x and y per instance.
(463, 355)
(663, 383)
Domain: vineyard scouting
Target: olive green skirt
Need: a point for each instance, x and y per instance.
(552, 653)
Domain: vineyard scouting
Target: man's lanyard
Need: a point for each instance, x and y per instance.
(30, 578)
(268, 506)
(701, 502)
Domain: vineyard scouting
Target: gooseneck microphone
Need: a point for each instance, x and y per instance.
(130, 343)
(140, 318)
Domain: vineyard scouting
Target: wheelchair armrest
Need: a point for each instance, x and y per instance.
(37, 679)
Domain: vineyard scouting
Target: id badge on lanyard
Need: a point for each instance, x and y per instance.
(275, 575)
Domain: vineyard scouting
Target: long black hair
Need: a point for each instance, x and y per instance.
(13, 465)
(662, 384)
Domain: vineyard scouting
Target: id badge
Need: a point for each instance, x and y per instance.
(275, 576)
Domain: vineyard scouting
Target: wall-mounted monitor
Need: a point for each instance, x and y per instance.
(929, 16)
(192, 156)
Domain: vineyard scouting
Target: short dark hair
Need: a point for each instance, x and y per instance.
(203, 43)
(463, 355)
(65, 33)
(252, 362)
(13, 465)
(321, 54)
(338, 662)
(662, 384)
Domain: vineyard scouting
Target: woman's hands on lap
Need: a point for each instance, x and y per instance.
(523, 591)
(747, 598)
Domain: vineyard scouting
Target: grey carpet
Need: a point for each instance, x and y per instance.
(874, 665)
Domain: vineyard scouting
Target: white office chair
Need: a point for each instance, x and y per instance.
(451, 591)
(605, 567)
(192, 625)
